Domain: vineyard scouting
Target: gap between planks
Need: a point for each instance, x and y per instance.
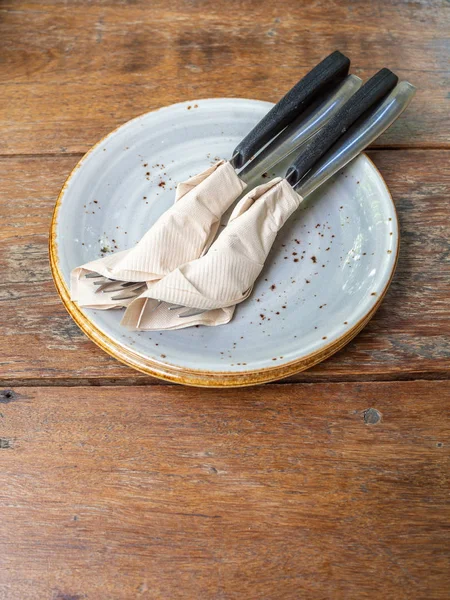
(150, 382)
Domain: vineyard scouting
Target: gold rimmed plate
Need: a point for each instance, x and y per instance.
(325, 276)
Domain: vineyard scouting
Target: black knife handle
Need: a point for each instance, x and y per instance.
(374, 90)
(327, 73)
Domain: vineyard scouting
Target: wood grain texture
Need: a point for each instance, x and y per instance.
(295, 491)
(407, 338)
(305, 490)
(72, 71)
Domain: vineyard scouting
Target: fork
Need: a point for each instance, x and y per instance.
(131, 289)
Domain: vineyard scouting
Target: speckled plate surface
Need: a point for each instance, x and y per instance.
(326, 275)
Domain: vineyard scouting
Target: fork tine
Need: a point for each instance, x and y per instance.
(117, 286)
(93, 275)
(129, 293)
(102, 286)
(175, 306)
(159, 302)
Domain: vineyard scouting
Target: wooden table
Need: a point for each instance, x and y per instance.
(330, 485)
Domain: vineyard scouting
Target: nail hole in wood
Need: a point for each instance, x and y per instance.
(7, 396)
(371, 416)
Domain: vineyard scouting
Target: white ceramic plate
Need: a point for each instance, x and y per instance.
(325, 277)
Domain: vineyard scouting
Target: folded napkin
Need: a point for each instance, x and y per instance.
(180, 235)
(225, 275)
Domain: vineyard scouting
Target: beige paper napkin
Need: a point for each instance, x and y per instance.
(225, 275)
(180, 235)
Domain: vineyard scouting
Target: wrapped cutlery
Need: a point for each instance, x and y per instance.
(211, 286)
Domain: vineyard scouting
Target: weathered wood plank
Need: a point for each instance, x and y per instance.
(73, 71)
(294, 491)
(407, 338)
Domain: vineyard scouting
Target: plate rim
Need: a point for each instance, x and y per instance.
(188, 376)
